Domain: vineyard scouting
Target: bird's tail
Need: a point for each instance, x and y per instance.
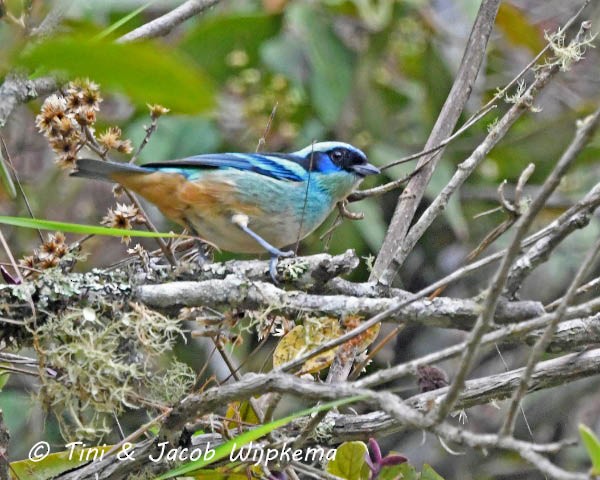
(102, 170)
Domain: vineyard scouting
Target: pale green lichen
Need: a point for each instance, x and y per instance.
(106, 362)
(295, 269)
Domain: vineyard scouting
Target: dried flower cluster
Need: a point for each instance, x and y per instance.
(47, 256)
(123, 216)
(111, 140)
(64, 119)
(67, 120)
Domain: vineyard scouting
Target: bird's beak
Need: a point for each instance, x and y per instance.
(366, 169)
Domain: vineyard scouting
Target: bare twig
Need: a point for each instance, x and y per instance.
(52, 20)
(514, 210)
(15, 175)
(464, 170)
(542, 249)
(584, 289)
(149, 131)
(457, 98)
(263, 139)
(167, 22)
(583, 135)
(542, 343)
(504, 334)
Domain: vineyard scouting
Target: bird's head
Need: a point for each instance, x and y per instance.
(327, 157)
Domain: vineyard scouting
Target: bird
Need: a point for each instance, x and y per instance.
(244, 202)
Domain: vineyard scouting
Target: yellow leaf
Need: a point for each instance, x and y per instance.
(518, 29)
(307, 337)
(240, 412)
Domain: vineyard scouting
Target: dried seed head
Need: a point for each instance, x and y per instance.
(85, 116)
(431, 378)
(111, 138)
(49, 261)
(157, 110)
(122, 216)
(91, 95)
(54, 245)
(29, 261)
(64, 146)
(125, 146)
(53, 109)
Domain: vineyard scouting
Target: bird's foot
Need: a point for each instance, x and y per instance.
(275, 255)
(204, 253)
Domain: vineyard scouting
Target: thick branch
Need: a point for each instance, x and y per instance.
(400, 415)
(236, 292)
(17, 89)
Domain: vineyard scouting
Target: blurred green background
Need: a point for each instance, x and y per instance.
(372, 73)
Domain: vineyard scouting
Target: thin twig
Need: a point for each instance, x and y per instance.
(542, 343)
(263, 140)
(584, 289)
(583, 135)
(15, 175)
(464, 171)
(468, 124)
(451, 111)
(149, 131)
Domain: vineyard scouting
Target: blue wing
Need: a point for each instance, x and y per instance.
(278, 166)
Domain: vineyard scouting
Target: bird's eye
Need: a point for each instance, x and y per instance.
(337, 156)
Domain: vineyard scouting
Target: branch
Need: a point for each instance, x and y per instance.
(580, 331)
(464, 171)
(237, 292)
(583, 135)
(17, 89)
(164, 24)
(453, 107)
(540, 252)
(542, 343)
(393, 414)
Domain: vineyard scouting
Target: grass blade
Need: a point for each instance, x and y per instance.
(82, 229)
(245, 438)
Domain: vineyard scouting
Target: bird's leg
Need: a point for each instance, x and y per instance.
(242, 222)
(202, 247)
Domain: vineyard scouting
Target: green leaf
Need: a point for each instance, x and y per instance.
(83, 229)
(215, 38)
(429, 473)
(146, 71)
(349, 462)
(5, 173)
(216, 475)
(245, 438)
(4, 376)
(404, 471)
(592, 445)
(55, 463)
(331, 62)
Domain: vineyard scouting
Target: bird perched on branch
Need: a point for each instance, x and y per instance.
(245, 202)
